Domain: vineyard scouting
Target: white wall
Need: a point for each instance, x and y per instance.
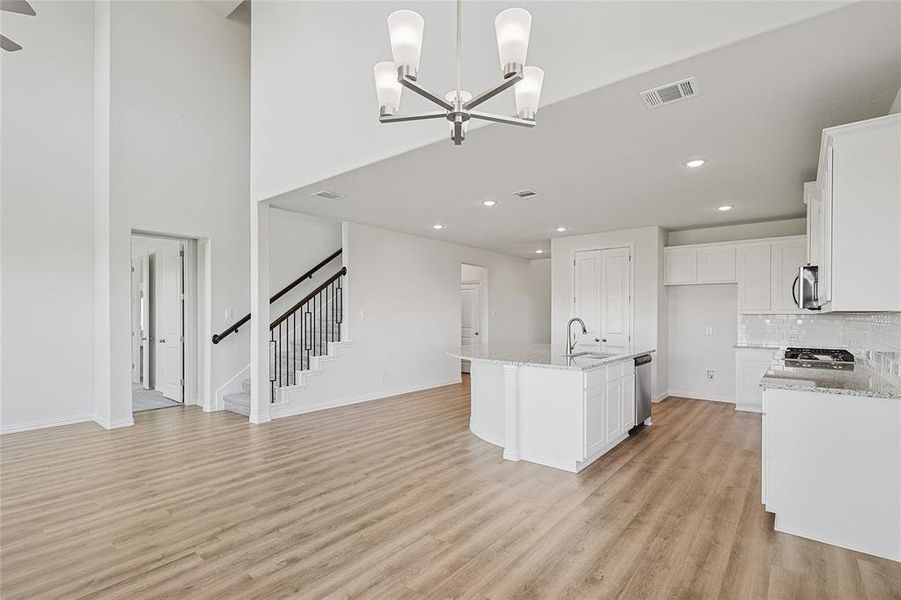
(540, 277)
(179, 139)
(297, 243)
(648, 290)
(692, 309)
(744, 231)
(403, 313)
(46, 248)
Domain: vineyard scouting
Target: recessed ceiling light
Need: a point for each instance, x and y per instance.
(489, 203)
(724, 207)
(437, 226)
(695, 163)
(539, 251)
(561, 229)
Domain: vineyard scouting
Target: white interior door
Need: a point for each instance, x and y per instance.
(135, 321)
(470, 313)
(169, 311)
(145, 317)
(602, 298)
(616, 300)
(586, 298)
(470, 317)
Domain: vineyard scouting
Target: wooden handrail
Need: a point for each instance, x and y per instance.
(308, 275)
(308, 297)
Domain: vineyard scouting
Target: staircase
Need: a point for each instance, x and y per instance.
(302, 339)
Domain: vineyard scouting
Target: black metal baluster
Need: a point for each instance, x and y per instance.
(294, 347)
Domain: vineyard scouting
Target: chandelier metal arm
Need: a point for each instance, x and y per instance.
(501, 119)
(508, 82)
(436, 114)
(411, 84)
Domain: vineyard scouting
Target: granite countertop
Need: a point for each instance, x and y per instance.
(537, 355)
(862, 381)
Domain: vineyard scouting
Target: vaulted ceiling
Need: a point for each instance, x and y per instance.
(599, 159)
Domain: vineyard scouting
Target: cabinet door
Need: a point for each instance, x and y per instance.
(595, 433)
(613, 414)
(628, 402)
(814, 224)
(716, 264)
(825, 267)
(748, 394)
(680, 265)
(788, 257)
(754, 279)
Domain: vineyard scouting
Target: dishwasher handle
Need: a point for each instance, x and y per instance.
(642, 360)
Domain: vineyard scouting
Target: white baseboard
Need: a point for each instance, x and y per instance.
(660, 397)
(128, 422)
(291, 408)
(695, 396)
(45, 423)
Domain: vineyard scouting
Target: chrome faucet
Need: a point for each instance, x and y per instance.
(570, 344)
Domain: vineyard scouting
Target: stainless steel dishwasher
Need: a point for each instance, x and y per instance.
(643, 389)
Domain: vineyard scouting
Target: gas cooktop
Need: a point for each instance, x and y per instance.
(820, 358)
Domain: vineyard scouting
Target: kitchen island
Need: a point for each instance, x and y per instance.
(543, 407)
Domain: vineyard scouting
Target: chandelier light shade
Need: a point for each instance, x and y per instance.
(527, 92)
(405, 32)
(387, 88)
(513, 27)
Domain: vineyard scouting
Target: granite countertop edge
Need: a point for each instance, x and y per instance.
(855, 381)
(593, 364)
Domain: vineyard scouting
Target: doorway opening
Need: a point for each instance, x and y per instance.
(158, 321)
(473, 317)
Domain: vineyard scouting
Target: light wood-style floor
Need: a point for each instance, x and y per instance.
(396, 499)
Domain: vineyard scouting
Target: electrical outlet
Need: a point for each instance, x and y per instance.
(711, 373)
(708, 330)
(229, 313)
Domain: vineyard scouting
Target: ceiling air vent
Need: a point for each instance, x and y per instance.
(327, 195)
(525, 194)
(671, 92)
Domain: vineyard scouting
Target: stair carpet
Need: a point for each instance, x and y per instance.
(239, 402)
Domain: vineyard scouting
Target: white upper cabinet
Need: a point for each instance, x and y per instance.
(755, 285)
(680, 266)
(788, 257)
(859, 184)
(716, 264)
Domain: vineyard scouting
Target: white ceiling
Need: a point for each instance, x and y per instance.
(314, 110)
(603, 161)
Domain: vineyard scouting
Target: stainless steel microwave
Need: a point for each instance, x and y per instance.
(808, 296)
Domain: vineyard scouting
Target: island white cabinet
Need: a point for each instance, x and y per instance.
(545, 408)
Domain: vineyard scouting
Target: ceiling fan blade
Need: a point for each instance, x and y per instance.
(8, 45)
(17, 6)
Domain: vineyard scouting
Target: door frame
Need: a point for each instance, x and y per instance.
(196, 319)
(484, 325)
(572, 288)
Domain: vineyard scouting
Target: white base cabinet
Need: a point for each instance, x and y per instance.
(831, 469)
(560, 418)
(750, 366)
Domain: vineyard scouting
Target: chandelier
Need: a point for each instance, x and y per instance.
(512, 28)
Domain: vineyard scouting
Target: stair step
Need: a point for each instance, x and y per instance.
(238, 403)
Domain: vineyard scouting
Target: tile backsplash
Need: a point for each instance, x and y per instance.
(873, 338)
